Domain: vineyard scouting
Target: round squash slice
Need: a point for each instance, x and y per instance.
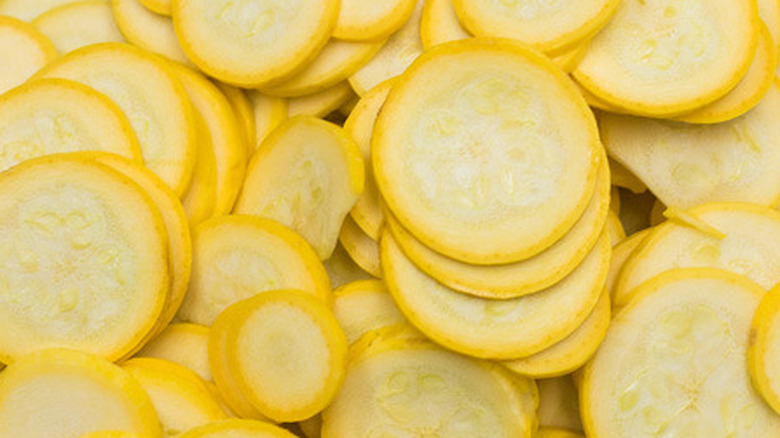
(78, 24)
(235, 428)
(24, 49)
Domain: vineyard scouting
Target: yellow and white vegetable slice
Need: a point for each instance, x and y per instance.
(769, 12)
(149, 95)
(410, 387)
(255, 42)
(552, 27)
(306, 175)
(24, 50)
(78, 24)
(179, 396)
(28, 10)
(162, 7)
(226, 139)
(367, 212)
(147, 29)
(515, 279)
(55, 115)
(400, 50)
(673, 362)
(687, 165)
(342, 269)
(235, 428)
(269, 112)
(622, 177)
(763, 349)
(440, 24)
(620, 254)
(559, 403)
(751, 247)
(472, 146)
(361, 20)
(320, 104)
(748, 92)
(200, 199)
(182, 343)
(62, 393)
(615, 228)
(363, 306)
(337, 61)
(85, 258)
(571, 352)
(650, 57)
(237, 257)
(176, 226)
(244, 111)
(569, 59)
(495, 329)
(363, 250)
(295, 326)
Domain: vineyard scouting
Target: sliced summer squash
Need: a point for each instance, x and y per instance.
(235, 428)
(147, 29)
(28, 10)
(306, 175)
(440, 24)
(363, 306)
(361, 20)
(78, 24)
(24, 50)
(361, 247)
(269, 112)
(322, 103)
(182, 343)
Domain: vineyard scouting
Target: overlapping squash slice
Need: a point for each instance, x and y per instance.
(84, 256)
(24, 49)
(440, 24)
(477, 146)
(306, 175)
(237, 257)
(235, 428)
(363, 306)
(62, 394)
(147, 30)
(182, 343)
(361, 20)
(78, 24)
(673, 362)
(28, 10)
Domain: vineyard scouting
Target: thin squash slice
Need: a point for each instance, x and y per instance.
(269, 112)
(147, 30)
(307, 175)
(147, 92)
(361, 20)
(71, 394)
(236, 257)
(342, 269)
(686, 165)
(256, 42)
(162, 7)
(361, 247)
(78, 24)
(363, 306)
(673, 362)
(24, 49)
(495, 329)
(28, 10)
(650, 58)
(763, 349)
(471, 149)
(183, 343)
(85, 259)
(55, 115)
(440, 24)
(235, 428)
(322, 103)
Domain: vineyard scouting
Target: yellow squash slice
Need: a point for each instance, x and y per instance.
(237, 257)
(149, 95)
(63, 394)
(244, 111)
(269, 112)
(162, 7)
(28, 10)
(748, 92)
(673, 362)
(495, 329)
(622, 177)
(24, 50)
(687, 165)
(750, 246)
(651, 56)
(615, 228)
(342, 269)
(407, 386)
(363, 306)
(763, 349)
(84, 256)
(769, 12)
(477, 147)
(224, 130)
(235, 428)
(182, 343)
(361, 20)
(552, 27)
(254, 42)
(55, 115)
(301, 331)
(514, 279)
(571, 352)
(440, 24)
(178, 232)
(559, 403)
(400, 50)
(362, 248)
(200, 199)
(322, 103)
(620, 254)
(181, 398)
(147, 30)
(307, 175)
(78, 24)
(335, 63)
(367, 212)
